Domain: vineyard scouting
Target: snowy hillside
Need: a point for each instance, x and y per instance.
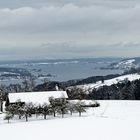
(130, 77)
(114, 120)
(126, 64)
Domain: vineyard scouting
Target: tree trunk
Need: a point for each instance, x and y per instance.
(45, 116)
(79, 114)
(54, 114)
(62, 115)
(1, 106)
(19, 117)
(26, 118)
(37, 115)
(62, 110)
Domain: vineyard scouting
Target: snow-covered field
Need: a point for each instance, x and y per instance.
(114, 120)
(130, 77)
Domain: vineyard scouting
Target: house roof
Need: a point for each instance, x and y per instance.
(36, 97)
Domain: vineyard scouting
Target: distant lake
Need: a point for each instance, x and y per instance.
(63, 70)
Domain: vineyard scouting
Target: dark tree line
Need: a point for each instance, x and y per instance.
(92, 79)
(124, 90)
(132, 71)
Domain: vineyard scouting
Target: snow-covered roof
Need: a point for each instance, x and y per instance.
(36, 97)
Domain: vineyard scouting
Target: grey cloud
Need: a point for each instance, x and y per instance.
(70, 28)
(69, 18)
(74, 49)
(39, 3)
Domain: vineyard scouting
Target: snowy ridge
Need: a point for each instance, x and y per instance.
(130, 77)
(125, 64)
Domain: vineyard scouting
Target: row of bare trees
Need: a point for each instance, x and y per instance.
(55, 107)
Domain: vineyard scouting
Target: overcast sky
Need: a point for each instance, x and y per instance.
(69, 28)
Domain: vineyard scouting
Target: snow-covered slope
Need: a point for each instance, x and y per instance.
(130, 77)
(114, 120)
(126, 64)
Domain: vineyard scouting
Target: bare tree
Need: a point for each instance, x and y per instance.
(27, 111)
(8, 116)
(45, 110)
(53, 106)
(62, 106)
(80, 108)
(71, 107)
(1, 101)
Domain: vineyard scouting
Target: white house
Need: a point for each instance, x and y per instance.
(36, 97)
